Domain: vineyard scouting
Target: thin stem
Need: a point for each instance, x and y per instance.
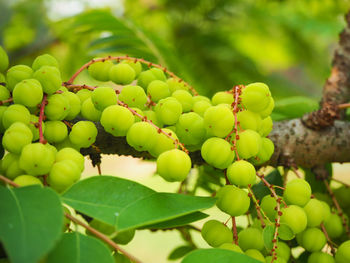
(236, 102)
(296, 172)
(6, 101)
(118, 59)
(103, 237)
(99, 168)
(329, 241)
(341, 182)
(279, 213)
(337, 206)
(234, 230)
(258, 208)
(8, 181)
(41, 118)
(344, 106)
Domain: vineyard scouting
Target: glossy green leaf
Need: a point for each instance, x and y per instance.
(285, 232)
(215, 255)
(179, 252)
(77, 248)
(127, 204)
(268, 233)
(31, 222)
(295, 107)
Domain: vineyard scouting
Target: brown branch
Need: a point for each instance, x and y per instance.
(329, 241)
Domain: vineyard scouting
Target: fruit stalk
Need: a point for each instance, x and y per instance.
(6, 101)
(329, 241)
(41, 118)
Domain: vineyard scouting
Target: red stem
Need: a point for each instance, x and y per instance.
(41, 118)
(234, 230)
(149, 64)
(6, 101)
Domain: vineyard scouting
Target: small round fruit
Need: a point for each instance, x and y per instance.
(55, 131)
(44, 60)
(185, 98)
(256, 97)
(218, 121)
(163, 143)
(343, 253)
(57, 107)
(200, 107)
(133, 96)
(63, 174)
(122, 74)
(314, 210)
(89, 112)
(334, 226)
(102, 97)
(232, 200)
(168, 110)
(16, 137)
(266, 150)
(83, 134)
(100, 70)
(216, 233)
(36, 159)
(176, 84)
(248, 144)
(217, 152)
(15, 113)
(268, 204)
(266, 126)
(16, 74)
(75, 105)
(320, 257)
(50, 79)
(222, 97)
(313, 239)
(230, 246)
(117, 120)
(249, 120)
(25, 180)
(297, 192)
(142, 136)
(71, 154)
(283, 250)
(251, 238)
(241, 173)
(136, 65)
(10, 166)
(190, 129)
(158, 90)
(277, 260)
(173, 165)
(28, 92)
(256, 254)
(295, 217)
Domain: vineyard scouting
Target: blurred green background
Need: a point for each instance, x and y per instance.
(212, 44)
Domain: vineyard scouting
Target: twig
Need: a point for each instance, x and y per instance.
(6, 101)
(8, 181)
(329, 241)
(118, 59)
(41, 118)
(344, 106)
(103, 237)
(234, 230)
(259, 211)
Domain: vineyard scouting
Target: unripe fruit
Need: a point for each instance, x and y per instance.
(122, 74)
(232, 200)
(185, 98)
(117, 120)
(44, 60)
(249, 120)
(173, 165)
(152, 116)
(142, 136)
(217, 152)
(10, 166)
(218, 121)
(216, 233)
(133, 96)
(256, 254)
(297, 192)
(16, 137)
(36, 159)
(283, 251)
(15, 113)
(320, 257)
(266, 150)
(334, 226)
(102, 97)
(230, 246)
(251, 238)
(71, 154)
(136, 65)
(294, 217)
(158, 90)
(74, 103)
(16, 74)
(190, 129)
(256, 97)
(100, 70)
(314, 210)
(57, 107)
(89, 112)
(313, 239)
(168, 110)
(146, 77)
(4, 59)
(25, 180)
(84, 94)
(4, 92)
(241, 173)
(55, 131)
(163, 143)
(175, 84)
(83, 134)
(267, 112)
(63, 174)
(200, 107)
(50, 79)
(266, 126)
(343, 253)
(28, 92)
(222, 97)
(268, 204)
(248, 144)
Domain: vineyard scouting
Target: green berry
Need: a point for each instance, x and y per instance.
(28, 92)
(222, 97)
(100, 70)
(44, 60)
(256, 97)
(218, 121)
(343, 253)
(251, 238)
(63, 174)
(217, 152)
(10, 166)
(102, 97)
(248, 144)
(50, 79)
(83, 134)
(241, 173)
(232, 200)
(216, 233)
(117, 120)
(25, 180)
(122, 74)
(297, 192)
(16, 137)
(133, 96)
(55, 131)
(16, 74)
(15, 113)
(57, 107)
(295, 217)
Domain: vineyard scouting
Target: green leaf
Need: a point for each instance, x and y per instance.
(295, 107)
(268, 236)
(126, 204)
(285, 232)
(179, 221)
(179, 252)
(77, 248)
(31, 222)
(215, 255)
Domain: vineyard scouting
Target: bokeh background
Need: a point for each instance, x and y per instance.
(212, 44)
